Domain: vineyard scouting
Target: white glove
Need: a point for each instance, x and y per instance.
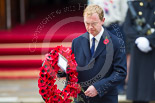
(143, 44)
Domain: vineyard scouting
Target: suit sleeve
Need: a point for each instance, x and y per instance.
(117, 76)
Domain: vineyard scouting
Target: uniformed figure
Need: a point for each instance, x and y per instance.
(141, 83)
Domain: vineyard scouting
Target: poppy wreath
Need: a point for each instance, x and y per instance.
(48, 75)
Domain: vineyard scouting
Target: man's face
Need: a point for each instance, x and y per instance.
(93, 23)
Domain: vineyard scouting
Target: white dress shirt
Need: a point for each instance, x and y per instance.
(97, 38)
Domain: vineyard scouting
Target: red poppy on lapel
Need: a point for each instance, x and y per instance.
(106, 40)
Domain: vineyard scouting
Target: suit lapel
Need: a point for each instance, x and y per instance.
(86, 45)
(101, 46)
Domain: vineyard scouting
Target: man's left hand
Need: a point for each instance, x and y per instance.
(91, 91)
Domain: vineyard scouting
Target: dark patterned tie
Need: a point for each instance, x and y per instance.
(93, 47)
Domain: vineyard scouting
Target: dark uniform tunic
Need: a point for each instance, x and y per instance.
(141, 83)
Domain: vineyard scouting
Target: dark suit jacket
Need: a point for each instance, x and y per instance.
(104, 70)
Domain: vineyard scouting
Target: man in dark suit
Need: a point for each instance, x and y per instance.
(100, 58)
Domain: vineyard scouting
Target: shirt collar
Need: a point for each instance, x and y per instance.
(98, 36)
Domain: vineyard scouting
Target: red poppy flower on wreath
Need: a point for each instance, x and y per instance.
(106, 40)
(48, 74)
